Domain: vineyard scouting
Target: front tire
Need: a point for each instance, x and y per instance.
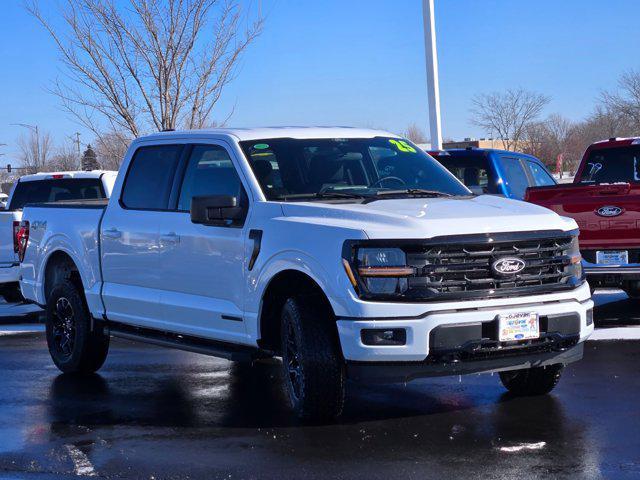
(532, 381)
(313, 366)
(73, 345)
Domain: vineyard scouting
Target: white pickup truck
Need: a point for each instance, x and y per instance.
(349, 253)
(36, 188)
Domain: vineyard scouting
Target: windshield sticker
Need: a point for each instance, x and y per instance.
(261, 146)
(402, 145)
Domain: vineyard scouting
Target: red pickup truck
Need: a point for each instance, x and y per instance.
(604, 200)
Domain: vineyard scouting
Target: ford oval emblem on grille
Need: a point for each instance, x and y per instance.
(609, 211)
(508, 266)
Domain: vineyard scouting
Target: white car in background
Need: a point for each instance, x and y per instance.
(39, 188)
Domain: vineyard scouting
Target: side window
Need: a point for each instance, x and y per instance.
(515, 177)
(210, 171)
(540, 176)
(150, 177)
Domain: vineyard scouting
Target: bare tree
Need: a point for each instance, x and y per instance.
(146, 65)
(35, 151)
(626, 99)
(110, 148)
(415, 134)
(65, 159)
(508, 113)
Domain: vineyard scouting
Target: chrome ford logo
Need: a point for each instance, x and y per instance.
(609, 211)
(508, 266)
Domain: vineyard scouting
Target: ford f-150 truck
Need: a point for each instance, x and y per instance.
(496, 172)
(41, 187)
(604, 200)
(348, 253)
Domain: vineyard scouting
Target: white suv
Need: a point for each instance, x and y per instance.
(349, 253)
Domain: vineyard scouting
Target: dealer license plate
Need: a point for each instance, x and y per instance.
(518, 326)
(611, 257)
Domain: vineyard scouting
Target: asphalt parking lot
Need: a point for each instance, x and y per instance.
(157, 413)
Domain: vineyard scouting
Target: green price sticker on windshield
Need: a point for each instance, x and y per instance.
(261, 146)
(402, 146)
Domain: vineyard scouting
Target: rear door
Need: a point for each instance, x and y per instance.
(203, 266)
(131, 254)
(514, 176)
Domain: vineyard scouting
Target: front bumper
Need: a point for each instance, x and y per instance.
(420, 344)
(406, 371)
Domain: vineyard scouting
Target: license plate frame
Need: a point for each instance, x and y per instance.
(612, 257)
(518, 326)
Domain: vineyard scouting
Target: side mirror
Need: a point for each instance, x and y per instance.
(220, 210)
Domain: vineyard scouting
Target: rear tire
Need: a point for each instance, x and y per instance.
(532, 381)
(313, 366)
(74, 346)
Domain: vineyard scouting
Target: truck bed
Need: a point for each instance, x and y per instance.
(75, 223)
(98, 203)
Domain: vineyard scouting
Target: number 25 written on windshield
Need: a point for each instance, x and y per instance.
(402, 146)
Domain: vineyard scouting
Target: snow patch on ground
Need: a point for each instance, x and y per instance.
(21, 329)
(616, 333)
(523, 446)
(81, 464)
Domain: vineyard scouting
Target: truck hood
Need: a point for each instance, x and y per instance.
(430, 217)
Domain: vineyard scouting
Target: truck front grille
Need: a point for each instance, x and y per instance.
(461, 266)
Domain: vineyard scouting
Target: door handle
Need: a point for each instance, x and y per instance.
(112, 233)
(170, 238)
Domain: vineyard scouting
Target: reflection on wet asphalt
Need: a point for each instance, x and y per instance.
(157, 413)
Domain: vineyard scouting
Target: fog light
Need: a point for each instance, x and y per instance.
(590, 316)
(384, 336)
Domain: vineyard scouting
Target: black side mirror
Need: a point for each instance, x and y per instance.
(220, 210)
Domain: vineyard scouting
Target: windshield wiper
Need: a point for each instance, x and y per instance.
(323, 195)
(411, 192)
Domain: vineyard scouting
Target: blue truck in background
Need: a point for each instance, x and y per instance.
(496, 172)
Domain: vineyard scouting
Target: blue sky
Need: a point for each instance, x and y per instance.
(361, 62)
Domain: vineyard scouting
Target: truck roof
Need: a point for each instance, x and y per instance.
(473, 151)
(73, 174)
(273, 132)
(616, 142)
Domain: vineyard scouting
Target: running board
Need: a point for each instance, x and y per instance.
(229, 351)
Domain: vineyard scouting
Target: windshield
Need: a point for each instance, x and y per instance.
(300, 169)
(612, 165)
(55, 190)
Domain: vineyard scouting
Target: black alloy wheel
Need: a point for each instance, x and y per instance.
(64, 327)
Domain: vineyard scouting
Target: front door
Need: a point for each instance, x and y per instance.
(203, 266)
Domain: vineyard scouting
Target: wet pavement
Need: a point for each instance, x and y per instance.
(158, 413)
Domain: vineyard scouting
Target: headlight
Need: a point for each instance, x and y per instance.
(575, 265)
(383, 271)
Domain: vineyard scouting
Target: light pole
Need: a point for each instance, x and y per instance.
(33, 128)
(433, 88)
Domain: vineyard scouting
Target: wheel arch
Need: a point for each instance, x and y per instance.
(283, 285)
(59, 265)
